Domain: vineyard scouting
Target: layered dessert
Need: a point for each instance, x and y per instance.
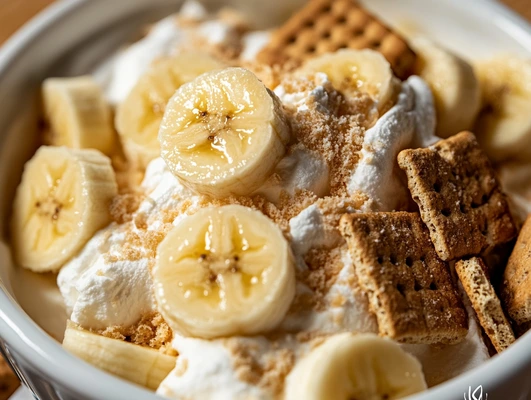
(295, 213)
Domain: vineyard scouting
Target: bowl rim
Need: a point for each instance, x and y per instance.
(27, 339)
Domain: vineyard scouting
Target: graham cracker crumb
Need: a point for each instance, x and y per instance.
(267, 372)
(123, 207)
(151, 331)
(323, 267)
(287, 208)
(332, 125)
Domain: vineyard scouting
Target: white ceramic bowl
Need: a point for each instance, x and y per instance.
(70, 38)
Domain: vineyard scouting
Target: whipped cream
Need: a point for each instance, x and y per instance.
(346, 307)
(307, 231)
(409, 123)
(101, 293)
(100, 287)
(300, 100)
(167, 38)
(253, 42)
(301, 169)
(131, 63)
(205, 370)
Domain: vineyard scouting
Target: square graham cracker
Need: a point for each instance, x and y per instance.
(459, 198)
(485, 302)
(516, 286)
(410, 289)
(324, 26)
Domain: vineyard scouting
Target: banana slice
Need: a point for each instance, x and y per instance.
(224, 133)
(141, 365)
(78, 114)
(138, 117)
(224, 271)
(361, 367)
(63, 199)
(454, 86)
(504, 125)
(351, 71)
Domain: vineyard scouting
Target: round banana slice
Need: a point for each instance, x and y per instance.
(224, 271)
(361, 367)
(63, 199)
(454, 86)
(141, 365)
(352, 71)
(503, 127)
(78, 114)
(138, 117)
(224, 133)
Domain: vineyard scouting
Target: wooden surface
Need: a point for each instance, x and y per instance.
(13, 13)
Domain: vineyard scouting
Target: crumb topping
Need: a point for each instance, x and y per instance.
(151, 331)
(267, 372)
(124, 206)
(331, 124)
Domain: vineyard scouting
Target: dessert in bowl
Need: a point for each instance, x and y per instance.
(279, 230)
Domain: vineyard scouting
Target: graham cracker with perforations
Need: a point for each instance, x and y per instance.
(459, 198)
(516, 287)
(485, 302)
(410, 289)
(325, 26)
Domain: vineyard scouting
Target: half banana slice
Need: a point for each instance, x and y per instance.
(454, 86)
(62, 201)
(361, 367)
(138, 117)
(504, 125)
(141, 365)
(78, 114)
(354, 71)
(224, 271)
(224, 133)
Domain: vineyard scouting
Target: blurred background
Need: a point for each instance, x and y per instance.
(13, 14)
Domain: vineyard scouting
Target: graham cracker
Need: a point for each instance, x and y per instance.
(410, 289)
(459, 197)
(325, 26)
(516, 286)
(475, 280)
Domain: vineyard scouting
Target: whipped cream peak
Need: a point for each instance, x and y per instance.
(308, 230)
(409, 123)
(300, 169)
(205, 370)
(318, 94)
